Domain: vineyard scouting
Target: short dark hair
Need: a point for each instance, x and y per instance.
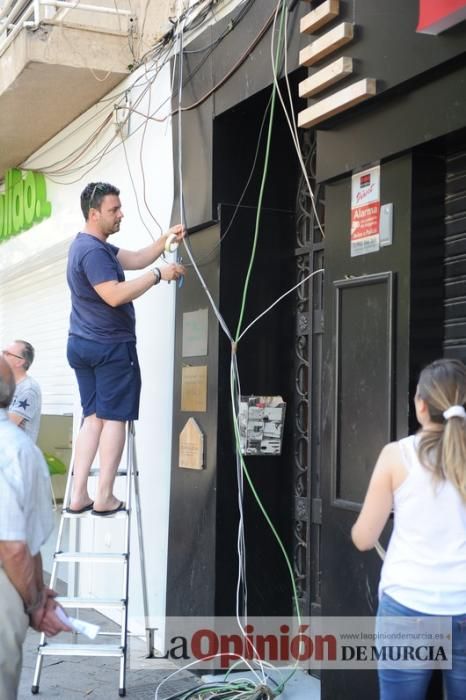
(27, 353)
(93, 194)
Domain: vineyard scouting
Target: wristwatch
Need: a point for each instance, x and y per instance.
(157, 274)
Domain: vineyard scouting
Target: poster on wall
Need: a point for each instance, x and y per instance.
(365, 212)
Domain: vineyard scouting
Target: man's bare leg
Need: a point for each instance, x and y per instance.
(86, 449)
(112, 442)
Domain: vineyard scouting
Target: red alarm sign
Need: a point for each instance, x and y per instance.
(437, 15)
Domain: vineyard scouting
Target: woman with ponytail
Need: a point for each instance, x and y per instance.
(423, 478)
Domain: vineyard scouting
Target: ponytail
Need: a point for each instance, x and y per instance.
(454, 453)
(442, 385)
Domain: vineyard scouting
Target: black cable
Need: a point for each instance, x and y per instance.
(206, 258)
(106, 150)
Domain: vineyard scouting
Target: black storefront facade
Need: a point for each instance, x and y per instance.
(345, 350)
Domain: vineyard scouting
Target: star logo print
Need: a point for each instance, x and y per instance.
(24, 404)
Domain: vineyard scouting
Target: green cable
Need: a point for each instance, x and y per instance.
(279, 689)
(281, 686)
(265, 514)
(231, 687)
(243, 304)
(280, 44)
(264, 177)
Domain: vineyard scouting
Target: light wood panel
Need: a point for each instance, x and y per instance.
(325, 77)
(338, 102)
(317, 18)
(326, 44)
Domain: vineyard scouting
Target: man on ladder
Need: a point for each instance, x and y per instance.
(102, 340)
(102, 350)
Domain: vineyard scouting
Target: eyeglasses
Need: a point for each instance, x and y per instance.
(12, 354)
(97, 188)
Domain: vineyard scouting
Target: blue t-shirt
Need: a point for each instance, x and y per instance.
(90, 262)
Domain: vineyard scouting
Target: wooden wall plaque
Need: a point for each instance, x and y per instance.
(194, 388)
(191, 446)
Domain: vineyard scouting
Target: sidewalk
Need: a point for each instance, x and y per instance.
(97, 678)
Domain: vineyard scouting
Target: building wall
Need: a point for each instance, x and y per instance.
(419, 106)
(420, 82)
(148, 151)
(420, 87)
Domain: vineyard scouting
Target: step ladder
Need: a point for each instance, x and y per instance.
(120, 650)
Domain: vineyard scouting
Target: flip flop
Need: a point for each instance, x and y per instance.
(79, 511)
(121, 506)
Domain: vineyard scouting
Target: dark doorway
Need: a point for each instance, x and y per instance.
(204, 506)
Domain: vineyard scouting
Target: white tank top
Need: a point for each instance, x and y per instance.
(425, 565)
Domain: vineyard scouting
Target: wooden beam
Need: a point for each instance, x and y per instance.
(338, 102)
(326, 44)
(323, 14)
(325, 77)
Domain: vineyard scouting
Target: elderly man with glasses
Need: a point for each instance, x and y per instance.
(102, 339)
(26, 521)
(26, 405)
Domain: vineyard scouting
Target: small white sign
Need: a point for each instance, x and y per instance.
(195, 333)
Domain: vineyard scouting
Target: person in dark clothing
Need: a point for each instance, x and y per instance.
(102, 340)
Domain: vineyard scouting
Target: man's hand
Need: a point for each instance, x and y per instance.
(138, 259)
(173, 271)
(178, 230)
(44, 618)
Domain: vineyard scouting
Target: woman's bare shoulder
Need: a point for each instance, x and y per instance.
(391, 460)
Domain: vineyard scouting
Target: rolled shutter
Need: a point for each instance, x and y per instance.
(35, 306)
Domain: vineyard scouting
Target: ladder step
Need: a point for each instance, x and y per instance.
(112, 644)
(109, 558)
(95, 471)
(81, 650)
(119, 514)
(91, 603)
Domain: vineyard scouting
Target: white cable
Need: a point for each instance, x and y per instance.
(180, 94)
(380, 550)
(103, 102)
(287, 83)
(241, 542)
(294, 134)
(234, 378)
(198, 661)
(135, 189)
(107, 150)
(180, 185)
(143, 174)
(234, 381)
(321, 269)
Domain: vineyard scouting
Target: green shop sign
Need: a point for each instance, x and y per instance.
(23, 204)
